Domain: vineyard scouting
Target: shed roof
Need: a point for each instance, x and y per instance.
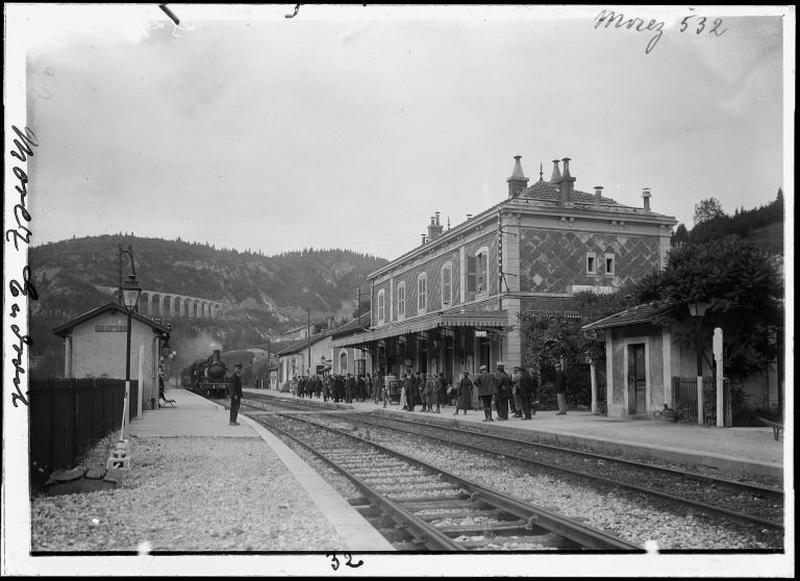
(635, 315)
(64, 330)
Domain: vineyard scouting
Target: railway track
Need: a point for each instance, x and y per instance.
(730, 500)
(439, 510)
(744, 502)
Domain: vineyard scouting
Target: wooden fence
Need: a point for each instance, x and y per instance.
(67, 416)
(684, 400)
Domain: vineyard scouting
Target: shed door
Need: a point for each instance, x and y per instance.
(637, 379)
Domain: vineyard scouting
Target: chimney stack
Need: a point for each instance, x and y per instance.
(423, 238)
(556, 173)
(517, 182)
(646, 198)
(469, 216)
(566, 185)
(598, 192)
(434, 228)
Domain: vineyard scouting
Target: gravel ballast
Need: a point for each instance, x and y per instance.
(630, 516)
(188, 494)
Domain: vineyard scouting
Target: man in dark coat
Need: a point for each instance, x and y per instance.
(503, 385)
(349, 388)
(410, 384)
(236, 393)
(486, 389)
(526, 391)
(377, 387)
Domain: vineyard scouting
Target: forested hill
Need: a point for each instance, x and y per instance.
(267, 293)
(761, 226)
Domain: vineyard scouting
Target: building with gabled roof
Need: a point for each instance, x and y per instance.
(453, 303)
(95, 346)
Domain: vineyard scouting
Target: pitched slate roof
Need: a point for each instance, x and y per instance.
(63, 330)
(633, 316)
(354, 326)
(548, 192)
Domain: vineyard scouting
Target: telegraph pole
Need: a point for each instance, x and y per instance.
(308, 333)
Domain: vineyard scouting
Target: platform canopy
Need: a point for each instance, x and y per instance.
(476, 319)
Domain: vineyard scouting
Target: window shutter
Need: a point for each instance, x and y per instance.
(472, 279)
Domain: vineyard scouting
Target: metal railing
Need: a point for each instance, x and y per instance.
(684, 400)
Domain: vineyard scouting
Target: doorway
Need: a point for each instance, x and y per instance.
(637, 378)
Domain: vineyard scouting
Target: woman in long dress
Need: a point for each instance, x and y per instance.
(464, 400)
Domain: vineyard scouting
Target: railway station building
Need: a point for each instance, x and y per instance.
(453, 303)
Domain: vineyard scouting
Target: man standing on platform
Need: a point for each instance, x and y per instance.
(561, 388)
(526, 392)
(503, 385)
(236, 393)
(486, 389)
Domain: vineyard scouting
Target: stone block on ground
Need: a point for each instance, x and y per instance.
(60, 476)
(95, 473)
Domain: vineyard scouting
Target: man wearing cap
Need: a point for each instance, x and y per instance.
(503, 385)
(486, 389)
(236, 392)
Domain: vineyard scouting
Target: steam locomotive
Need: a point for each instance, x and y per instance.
(208, 377)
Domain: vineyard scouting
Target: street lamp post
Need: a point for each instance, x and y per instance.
(130, 291)
(697, 310)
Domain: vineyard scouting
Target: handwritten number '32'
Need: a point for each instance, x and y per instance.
(349, 562)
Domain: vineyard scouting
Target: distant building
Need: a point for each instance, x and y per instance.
(454, 302)
(95, 346)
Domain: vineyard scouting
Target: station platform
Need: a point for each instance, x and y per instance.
(751, 452)
(196, 417)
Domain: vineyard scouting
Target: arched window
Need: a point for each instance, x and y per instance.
(447, 284)
(343, 362)
(401, 301)
(381, 308)
(422, 293)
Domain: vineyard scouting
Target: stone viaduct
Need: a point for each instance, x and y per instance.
(155, 303)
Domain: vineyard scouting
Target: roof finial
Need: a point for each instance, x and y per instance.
(541, 172)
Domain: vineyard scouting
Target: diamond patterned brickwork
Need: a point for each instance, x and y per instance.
(551, 261)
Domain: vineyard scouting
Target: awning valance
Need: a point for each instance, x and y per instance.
(455, 319)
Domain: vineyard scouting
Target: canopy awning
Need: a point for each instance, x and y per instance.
(453, 319)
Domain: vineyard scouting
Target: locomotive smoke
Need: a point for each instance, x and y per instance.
(194, 348)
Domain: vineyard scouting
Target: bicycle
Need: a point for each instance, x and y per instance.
(667, 413)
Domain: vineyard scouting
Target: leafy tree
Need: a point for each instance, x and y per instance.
(707, 209)
(742, 285)
(680, 236)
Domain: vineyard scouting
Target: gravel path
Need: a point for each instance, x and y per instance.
(188, 494)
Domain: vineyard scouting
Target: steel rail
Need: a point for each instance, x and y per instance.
(594, 477)
(753, 488)
(565, 527)
(422, 532)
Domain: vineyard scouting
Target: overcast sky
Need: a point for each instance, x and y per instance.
(348, 127)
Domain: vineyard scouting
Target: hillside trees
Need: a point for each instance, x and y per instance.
(707, 209)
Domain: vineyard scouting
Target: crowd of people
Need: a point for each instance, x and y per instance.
(339, 388)
(513, 394)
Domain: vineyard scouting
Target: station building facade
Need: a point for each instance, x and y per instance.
(454, 302)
